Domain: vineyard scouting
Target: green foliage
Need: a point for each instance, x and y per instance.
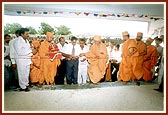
(44, 28)
(11, 28)
(62, 30)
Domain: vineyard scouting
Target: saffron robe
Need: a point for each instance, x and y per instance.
(150, 60)
(125, 69)
(137, 60)
(97, 58)
(35, 73)
(48, 67)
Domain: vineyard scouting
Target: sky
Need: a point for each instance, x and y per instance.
(80, 26)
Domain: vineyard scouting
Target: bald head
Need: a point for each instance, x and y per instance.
(125, 35)
(149, 41)
(139, 36)
(49, 36)
(97, 38)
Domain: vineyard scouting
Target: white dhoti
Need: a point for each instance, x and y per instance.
(82, 72)
(23, 74)
(23, 60)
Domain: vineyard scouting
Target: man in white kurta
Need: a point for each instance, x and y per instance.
(7, 62)
(61, 70)
(83, 64)
(12, 57)
(23, 58)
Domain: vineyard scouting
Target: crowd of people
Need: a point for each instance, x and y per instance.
(49, 63)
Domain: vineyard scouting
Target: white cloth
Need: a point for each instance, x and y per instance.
(83, 67)
(116, 55)
(23, 51)
(109, 50)
(23, 60)
(121, 47)
(69, 47)
(12, 50)
(62, 49)
(6, 53)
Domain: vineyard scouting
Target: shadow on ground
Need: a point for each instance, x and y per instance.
(84, 86)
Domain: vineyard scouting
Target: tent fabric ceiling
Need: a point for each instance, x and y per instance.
(155, 10)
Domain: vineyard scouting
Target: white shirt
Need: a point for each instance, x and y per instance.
(69, 47)
(109, 50)
(84, 50)
(116, 55)
(6, 53)
(23, 51)
(12, 50)
(62, 48)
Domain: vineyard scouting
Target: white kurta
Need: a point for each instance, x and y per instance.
(116, 55)
(12, 50)
(6, 53)
(83, 67)
(23, 60)
(62, 49)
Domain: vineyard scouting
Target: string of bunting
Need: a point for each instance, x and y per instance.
(87, 14)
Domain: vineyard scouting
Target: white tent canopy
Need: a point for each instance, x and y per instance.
(153, 13)
(155, 10)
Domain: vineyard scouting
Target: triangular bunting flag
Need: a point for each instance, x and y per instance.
(86, 13)
(77, 13)
(95, 14)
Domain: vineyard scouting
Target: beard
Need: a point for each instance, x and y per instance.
(138, 39)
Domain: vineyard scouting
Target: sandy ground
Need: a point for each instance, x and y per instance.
(98, 99)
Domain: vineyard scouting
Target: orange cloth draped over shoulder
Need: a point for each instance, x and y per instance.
(48, 67)
(97, 58)
(35, 73)
(137, 60)
(150, 60)
(125, 69)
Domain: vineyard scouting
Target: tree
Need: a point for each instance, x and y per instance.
(44, 28)
(32, 30)
(62, 30)
(11, 28)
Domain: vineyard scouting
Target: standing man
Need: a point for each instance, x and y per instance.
(150, 60)
(161, 76)
(47, 67)
(115, 62)
(138, 57)
(12, 56)
(61, 70)
(72, 50)
(83, 64)
(158, 41)
(97, 58)
(125, 68)
(108, 74)
(23, 58)
(7, 63)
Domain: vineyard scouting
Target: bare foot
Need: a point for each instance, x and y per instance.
(124, 82)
